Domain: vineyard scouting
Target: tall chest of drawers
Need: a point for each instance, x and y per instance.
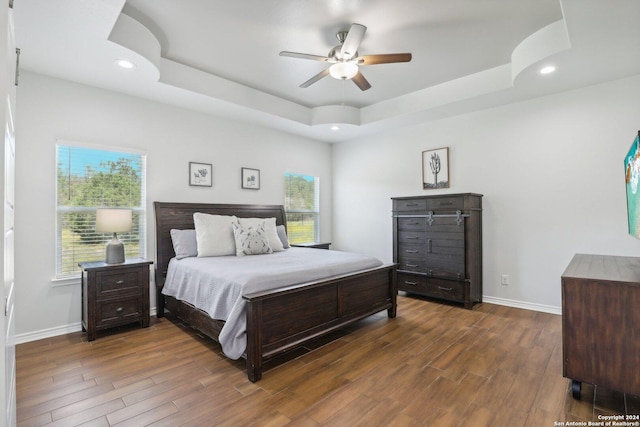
(437, 244)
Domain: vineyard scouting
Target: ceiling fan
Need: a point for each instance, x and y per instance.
(345, 60)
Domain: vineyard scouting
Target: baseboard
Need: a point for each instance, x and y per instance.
(521, 304)
(46, 333)
(54, 332)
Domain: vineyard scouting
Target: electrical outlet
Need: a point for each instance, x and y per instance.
(504, 280)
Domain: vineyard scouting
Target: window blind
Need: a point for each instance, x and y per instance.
(87, 179)
(302, 207)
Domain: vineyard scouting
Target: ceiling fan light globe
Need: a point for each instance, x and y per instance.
(343, 70)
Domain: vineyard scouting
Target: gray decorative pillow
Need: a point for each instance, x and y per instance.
(251, 240)
(282, 235)
(184, 243)
(270, 228)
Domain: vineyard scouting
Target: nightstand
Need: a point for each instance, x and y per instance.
(114, 294)
(315, 245)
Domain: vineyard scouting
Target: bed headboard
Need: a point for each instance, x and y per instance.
(180, 216)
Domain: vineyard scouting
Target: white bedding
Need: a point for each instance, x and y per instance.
(216, 284)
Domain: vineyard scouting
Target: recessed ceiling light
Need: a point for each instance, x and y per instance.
(548, 69)
(334, 128)
(125, 64)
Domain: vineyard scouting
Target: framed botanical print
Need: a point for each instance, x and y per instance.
(251, 178)
(200, 174)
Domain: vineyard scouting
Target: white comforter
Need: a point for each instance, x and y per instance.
(216, 284)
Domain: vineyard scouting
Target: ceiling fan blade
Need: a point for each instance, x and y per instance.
(315, 78)
(361, 82)
(352, 42)
(384, 59)
(305, 56)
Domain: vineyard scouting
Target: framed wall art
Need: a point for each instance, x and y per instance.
(251, 178)
(435, 168)
(200, 174)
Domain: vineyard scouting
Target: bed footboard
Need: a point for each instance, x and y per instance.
(279, 321)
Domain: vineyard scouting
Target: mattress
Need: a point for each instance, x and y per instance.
(216, 285)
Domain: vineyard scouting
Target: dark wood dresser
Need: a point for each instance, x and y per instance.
(437, 243)
(601, 322)
(114, 294)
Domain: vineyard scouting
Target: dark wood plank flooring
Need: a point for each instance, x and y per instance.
(434, 365)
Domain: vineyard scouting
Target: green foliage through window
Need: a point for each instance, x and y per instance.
(302, 207)
(88, 179)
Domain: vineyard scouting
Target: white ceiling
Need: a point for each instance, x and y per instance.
(221, 56)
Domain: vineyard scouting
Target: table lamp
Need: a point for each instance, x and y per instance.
(113, 221)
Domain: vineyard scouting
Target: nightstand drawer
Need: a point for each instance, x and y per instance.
(121, 282)
(119, 311)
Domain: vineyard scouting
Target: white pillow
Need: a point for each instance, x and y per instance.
(270, 228)
(251, 240)
(214, 234)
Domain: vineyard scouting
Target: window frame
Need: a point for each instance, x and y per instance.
(315, 212)
(63, 277)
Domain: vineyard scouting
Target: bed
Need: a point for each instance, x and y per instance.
(281, 319)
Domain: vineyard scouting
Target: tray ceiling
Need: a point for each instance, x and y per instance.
(221, 57)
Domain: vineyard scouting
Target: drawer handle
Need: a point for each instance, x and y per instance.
(411, 204)
(119, 310)
(119, 282)
(406, 282)
(429, 246)
(444, 203)
(411, 251)
(444, 289)
(413, 237)
(412, 265)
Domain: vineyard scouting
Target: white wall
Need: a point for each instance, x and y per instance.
(50, 109)
(550, 170)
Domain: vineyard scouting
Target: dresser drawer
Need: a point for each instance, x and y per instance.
(121, 282)
(119, 311)
(412, 264)
(429, 286)
(445, 203)
(412, 250)
(410, 205)
(412, 223)
(411, 237)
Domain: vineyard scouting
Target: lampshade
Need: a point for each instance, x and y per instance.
(343, 70)
(113, 220)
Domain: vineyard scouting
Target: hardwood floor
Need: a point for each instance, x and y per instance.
(434, 365)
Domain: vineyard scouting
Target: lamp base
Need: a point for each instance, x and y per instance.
(114, 251)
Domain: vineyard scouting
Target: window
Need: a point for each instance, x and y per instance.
(302, 207)
(87, 179)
